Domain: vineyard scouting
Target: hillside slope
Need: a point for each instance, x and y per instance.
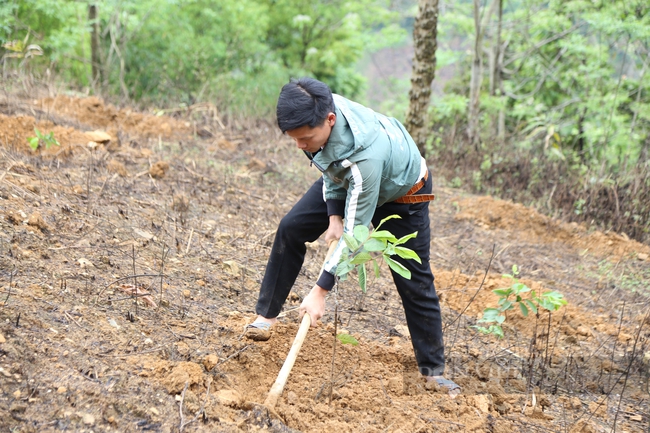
(131, 256)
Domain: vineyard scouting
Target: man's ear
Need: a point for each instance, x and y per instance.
(331, 119)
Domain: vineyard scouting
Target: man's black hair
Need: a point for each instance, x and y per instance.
(304, 101)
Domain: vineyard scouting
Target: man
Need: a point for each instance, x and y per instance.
(371, 169)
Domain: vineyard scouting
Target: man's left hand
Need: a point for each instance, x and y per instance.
(335, 229)
(314, 304)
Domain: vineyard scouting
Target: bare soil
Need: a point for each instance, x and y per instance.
(129, 267)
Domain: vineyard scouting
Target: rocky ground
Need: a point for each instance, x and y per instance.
(131, 255)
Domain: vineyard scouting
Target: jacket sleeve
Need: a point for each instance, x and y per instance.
(364, 179)
(334, 196)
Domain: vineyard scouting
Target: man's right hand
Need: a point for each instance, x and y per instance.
(314, 304)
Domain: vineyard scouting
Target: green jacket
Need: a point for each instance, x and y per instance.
(369, 160)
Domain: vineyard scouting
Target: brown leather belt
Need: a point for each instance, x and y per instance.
(409, 197)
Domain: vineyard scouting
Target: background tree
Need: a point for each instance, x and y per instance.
(424, 71)
(476, 80)
(95, 57)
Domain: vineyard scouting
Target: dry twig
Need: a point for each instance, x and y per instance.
(201, 410)
(137, 293)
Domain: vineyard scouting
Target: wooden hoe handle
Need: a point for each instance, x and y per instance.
(281, 381)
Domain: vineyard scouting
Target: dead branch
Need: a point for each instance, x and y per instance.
(201, 410)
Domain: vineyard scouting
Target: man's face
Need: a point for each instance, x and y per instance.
(313, 139)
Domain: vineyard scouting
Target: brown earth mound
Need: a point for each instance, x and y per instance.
(96, 124)
(489, 213)
(92, 111)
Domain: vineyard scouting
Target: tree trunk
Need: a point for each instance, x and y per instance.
(94, 46)
(475, 81)
(500, 121)
(644, 156)
(425, 33)
(473, 111)
(501, 130)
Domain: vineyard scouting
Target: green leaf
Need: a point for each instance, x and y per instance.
(376, 267)
(383, 235)
(496, 330)
(552, 301)
(507, 305)
(373, 245)
(405, 239)
(407, 253)
(390, 217)
(50, 140)
(531, 305)
(481, 329)
(523, 308)
(492, 329)
(546, 304)
(347, 339)
(361, 233)
(343, 268)
(490, 315)
(556, 297)
(520, 288)
(362, 278)
(360, 258)
(389, 251)
(33, 142)
(351, 242)
(502, 293)
(398, 267)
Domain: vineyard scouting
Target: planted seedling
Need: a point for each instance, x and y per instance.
(41, 139)
(521, 295)
(365, 246)
(360, 246)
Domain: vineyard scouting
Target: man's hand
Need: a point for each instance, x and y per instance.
(314, 304)
(335, 229)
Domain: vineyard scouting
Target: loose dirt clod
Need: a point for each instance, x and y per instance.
(184, 372)
(98, 137)
(115, 166)
(36, 220)
(159, 169)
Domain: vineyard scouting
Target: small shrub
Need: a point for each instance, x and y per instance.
(524, 297)
(42, 139)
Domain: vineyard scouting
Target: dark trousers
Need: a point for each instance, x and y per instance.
(308, 220)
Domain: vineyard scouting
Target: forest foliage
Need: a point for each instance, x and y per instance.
(564, 106)
(572, 76)
(170, 51)
(563, 110)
